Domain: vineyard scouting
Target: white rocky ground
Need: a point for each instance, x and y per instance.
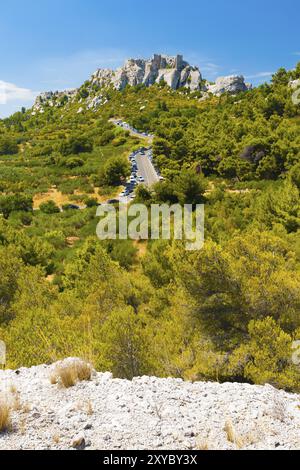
(146, 413)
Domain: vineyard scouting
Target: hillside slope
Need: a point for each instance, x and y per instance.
(146, 413)
(229, 312)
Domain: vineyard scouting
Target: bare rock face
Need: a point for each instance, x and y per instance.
(294, 84)
(96, 102)
(53, 99)
(193, 80)
(232, 84)
(173, 70)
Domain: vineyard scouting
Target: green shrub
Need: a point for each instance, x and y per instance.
(75, 145)
(15, 202)
(91, 202)
(117, 142)
(106, 138)
(115, 170)
(49, 208)
(74, 162)
(8, 146)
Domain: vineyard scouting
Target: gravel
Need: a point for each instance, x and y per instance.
(145, 413)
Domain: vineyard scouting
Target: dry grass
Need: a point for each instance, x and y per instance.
(141, 247)
(61, 199)
(5, 416)
(53, 379)
(52, 195)
(17, 404)
(26, 408)
(232, 435)
(202, 445)
(13, 389)
(90, 409)
(72, 240)
(22, 426)
(15, 399)
(56, 439)
(68, 375)
(84, 372)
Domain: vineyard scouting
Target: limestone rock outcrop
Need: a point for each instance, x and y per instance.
(96, 102)
(294, 84)
(173, 70)
(53, 99)
(231, 84)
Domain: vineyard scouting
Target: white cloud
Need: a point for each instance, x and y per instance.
(71, 71)
(9, 92)
(210, 68)
(260, 75)
(57, 73)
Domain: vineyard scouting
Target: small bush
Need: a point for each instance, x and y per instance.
(49, 208)
(106, 138)
(232, 435)
(5, 416)
(83, 371)
(70, 373)
(8, 146)
(75, 145)
(67, 376)
(74, 162)
(91, 202)
(119, 141)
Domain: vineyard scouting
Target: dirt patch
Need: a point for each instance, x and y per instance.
(141, 246)
(52, 195)
(238, 191)
(61, 199)
(72, 240)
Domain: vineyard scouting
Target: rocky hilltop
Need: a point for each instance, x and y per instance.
(54, 98)
(174, 71)
(145, 413)
(232, 84)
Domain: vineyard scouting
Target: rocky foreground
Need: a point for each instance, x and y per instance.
(145, 413)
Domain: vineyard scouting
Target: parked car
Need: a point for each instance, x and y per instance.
(71, 207)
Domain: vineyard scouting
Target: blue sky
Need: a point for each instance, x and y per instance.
(57, 44)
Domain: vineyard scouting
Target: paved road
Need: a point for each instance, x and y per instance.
(143, 161)
(133, 132)
(146, 169)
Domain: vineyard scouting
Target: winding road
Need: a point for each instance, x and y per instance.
(143, 158)
(146, 169)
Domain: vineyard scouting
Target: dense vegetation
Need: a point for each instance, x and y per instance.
(228, 312)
